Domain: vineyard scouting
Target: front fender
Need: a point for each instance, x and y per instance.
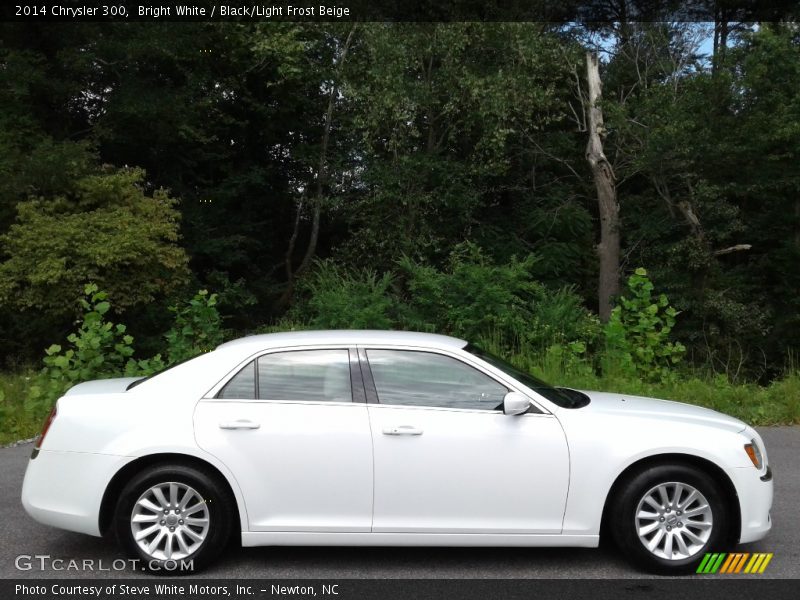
(602, 448)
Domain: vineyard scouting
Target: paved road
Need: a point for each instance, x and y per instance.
(21, 535)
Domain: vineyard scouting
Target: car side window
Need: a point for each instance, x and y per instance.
(302, 375)
(242, 386)
(413, 378)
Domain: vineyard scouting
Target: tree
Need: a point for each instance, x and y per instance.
(609, 247)
(220, 113)
(107, 231)
(461, 137)
(321, 178)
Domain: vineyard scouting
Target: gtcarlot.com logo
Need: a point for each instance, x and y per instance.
(735, 562)
(45, 562)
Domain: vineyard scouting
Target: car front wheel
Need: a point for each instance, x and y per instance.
(174, 518)
(668, 517)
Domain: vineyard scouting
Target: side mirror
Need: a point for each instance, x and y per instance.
(515, 403)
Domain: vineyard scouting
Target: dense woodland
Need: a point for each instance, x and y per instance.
(418, 175)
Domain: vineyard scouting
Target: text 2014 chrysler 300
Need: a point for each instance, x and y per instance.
(390, 438)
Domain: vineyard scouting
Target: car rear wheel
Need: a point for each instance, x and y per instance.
(171, 516)
(667, 517)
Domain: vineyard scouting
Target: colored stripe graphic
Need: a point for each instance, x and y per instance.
(724, 563)
(758, 563)
(740, 564)
(701, 568)
(754, 563)
(766, 562)
(718, 562)
(711, 562)
(729, 562)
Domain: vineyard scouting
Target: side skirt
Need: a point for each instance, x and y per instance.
(308, 538)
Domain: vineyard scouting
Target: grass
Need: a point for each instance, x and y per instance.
(776, 404)
(17, 423)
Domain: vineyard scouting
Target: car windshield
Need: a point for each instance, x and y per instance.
(563, 398)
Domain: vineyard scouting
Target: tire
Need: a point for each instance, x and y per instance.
(198, 525)
(647, 505)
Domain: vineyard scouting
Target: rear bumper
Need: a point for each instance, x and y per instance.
(755, 501)
(65, 489)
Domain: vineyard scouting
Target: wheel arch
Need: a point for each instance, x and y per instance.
(710, 468)
(123, 475)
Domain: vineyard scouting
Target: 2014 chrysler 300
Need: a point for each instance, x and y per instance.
(389, 438)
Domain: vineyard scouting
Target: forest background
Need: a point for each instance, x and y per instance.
(165, 186)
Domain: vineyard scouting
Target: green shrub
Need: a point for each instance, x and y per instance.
(282, 325)
(331, 297)
(471, 296)
(99, 349)
(474, 298)
(559, 319)
(197, 328)
(16, 422)
(107, 230)
(638, 333)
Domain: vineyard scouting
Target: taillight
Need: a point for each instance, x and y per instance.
(47, 422)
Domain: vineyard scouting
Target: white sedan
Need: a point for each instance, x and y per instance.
(381, 438)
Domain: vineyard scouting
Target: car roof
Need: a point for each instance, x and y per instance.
(195, 377)
(350, 337)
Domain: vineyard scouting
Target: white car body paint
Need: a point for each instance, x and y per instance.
(325, 473)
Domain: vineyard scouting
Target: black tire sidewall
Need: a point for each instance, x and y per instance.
(219, 507)
(627, 501)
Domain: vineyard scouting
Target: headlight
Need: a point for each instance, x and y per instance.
(754, 453)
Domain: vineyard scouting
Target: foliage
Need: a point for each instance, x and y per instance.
(707, 162)
(441, 132)
(16, 421)
(197, 328)
(450, 119)
(471, 295)
(638, 333)
(109, 231)
(338, 299)
(99, 349)
(471, 298)
(775, 404)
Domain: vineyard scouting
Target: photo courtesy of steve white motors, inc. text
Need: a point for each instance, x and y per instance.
(168, 589)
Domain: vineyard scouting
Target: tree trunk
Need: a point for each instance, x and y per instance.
(319, 190)
(797, 221)
(721, 29)
(609, 247)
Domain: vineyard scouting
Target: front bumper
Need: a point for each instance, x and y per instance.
(754, 488)
(65, 489)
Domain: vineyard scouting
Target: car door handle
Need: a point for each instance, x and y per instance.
(402, 430)
(240, 424)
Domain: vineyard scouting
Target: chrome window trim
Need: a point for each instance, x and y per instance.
(471, 361)
(212, 393)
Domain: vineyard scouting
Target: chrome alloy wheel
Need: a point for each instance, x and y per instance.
(170, 521)
(674, 520)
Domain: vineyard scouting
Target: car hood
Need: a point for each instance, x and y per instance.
(102, 386)
(625, 405)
